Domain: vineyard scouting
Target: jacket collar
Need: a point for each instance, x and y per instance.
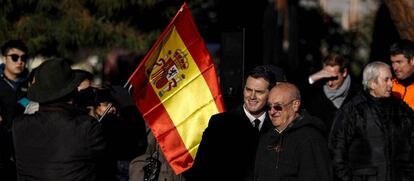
(408, 81)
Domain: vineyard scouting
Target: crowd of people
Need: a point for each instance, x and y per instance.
(335, 128)
(56, 125)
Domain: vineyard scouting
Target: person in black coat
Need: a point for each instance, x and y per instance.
(228, 145)
(123, 126)
(13, 89)
(329, 89)
(57, 142)
(373, 134)
(295, 148)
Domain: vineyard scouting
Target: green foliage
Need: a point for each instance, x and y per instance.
(66, 27)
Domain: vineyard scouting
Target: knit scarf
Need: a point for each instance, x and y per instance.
(338, 96)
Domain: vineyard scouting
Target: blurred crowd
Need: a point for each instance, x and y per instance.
(59, 123)
(56, 123)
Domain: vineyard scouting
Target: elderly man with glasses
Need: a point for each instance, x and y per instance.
(13, 87)
(295, 149)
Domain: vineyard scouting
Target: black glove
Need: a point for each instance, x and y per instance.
(121, 97)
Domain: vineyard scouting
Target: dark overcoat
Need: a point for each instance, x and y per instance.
(373, 139)
(58, 143)
(227, 148)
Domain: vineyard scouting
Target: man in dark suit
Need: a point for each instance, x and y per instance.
(228, 145)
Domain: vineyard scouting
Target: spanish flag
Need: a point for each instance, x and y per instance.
(175, 88)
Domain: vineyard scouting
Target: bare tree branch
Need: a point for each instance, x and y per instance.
(402, 13)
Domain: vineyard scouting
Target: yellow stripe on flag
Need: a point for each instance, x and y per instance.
(194, 114)
(175, 87)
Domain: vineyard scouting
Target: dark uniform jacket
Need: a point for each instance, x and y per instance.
(373, 139)
(299, 153)
(58, 143)
(227, 148)
(10, 93)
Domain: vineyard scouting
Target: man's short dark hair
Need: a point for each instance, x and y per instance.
(334, 59)
(404, 46)
(271, 74)
(18, 44)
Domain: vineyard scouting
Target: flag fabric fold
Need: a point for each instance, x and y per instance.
(175, 87)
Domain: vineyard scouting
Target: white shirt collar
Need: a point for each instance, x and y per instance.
(252, 118)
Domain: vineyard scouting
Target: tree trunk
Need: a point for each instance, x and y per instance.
(402, 13)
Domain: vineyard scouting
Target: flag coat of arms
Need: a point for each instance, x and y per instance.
(175, 87)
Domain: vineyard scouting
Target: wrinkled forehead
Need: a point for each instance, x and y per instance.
(384, 72)
(279, 95)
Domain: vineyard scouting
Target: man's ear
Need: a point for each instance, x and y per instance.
(372, 84)
(296, 105)
(411, 61)
(345, 73)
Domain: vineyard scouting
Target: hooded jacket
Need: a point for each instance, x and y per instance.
(300, 152)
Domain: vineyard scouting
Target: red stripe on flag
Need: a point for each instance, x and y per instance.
(160, 122)
(154, 112)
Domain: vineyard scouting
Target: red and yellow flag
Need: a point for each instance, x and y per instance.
(176, 90)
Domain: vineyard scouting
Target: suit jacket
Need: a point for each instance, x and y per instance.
(227, 148)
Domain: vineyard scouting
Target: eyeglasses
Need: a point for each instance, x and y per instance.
(15, 57)
(279, 107)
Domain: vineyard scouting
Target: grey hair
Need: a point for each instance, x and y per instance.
(371, 73)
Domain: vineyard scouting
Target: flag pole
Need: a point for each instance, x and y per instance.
(106, 111)
(110, 104)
